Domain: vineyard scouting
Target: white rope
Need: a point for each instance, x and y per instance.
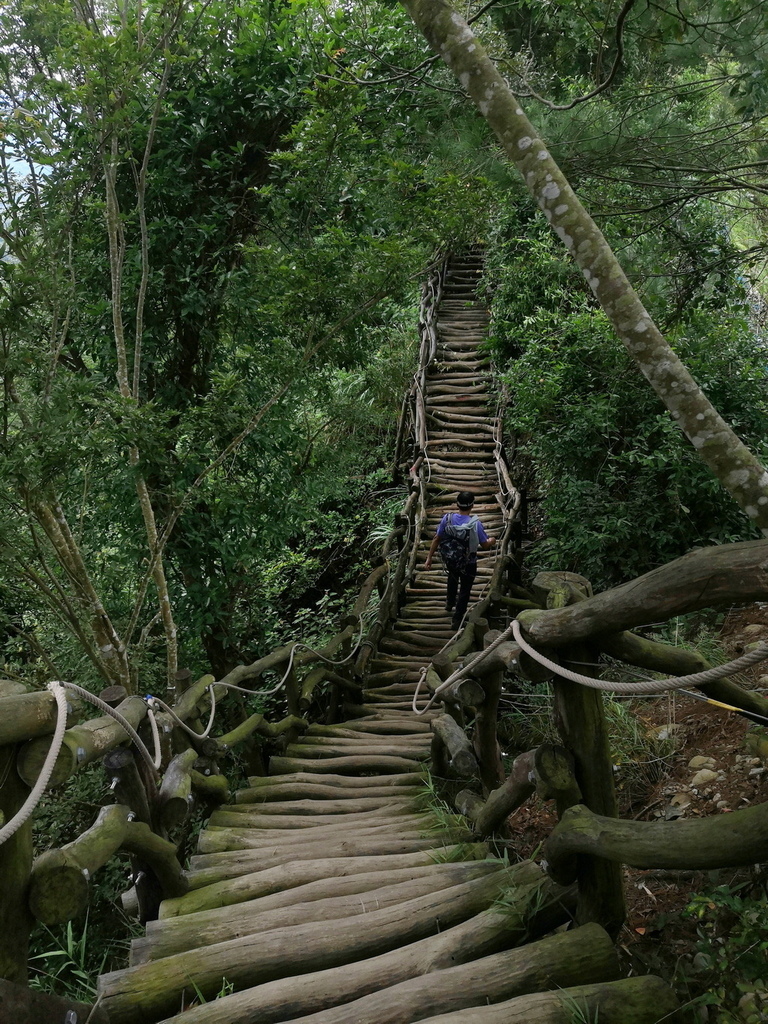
(639, 688)
(121, 721)
(644, 686)
(25, 812)
(158, 758)
(153, 701)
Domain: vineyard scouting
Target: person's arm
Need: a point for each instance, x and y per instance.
(432, 550)
(484, 541)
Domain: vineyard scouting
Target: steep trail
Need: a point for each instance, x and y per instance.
(330, 890)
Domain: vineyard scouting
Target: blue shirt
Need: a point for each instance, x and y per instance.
(458, 518)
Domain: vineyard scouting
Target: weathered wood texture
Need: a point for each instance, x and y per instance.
(705, 578)
(21, 1005)
(60, 879)
(727, 840)
(15, 867)
(148, 990)
(647, 1000)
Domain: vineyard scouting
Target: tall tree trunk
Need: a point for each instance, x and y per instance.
(737, 469)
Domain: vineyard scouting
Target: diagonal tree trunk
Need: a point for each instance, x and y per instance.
(737, 469)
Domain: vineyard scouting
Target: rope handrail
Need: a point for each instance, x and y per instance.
(27, 809)
(642, 686)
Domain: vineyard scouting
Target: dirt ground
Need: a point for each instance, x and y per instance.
(705, 769)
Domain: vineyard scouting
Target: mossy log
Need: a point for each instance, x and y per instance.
(722, 841)
(382, 764)
(82, 744)
(555, 779)
(324, 746)
(25, 716)
(317, 795)
(712, 577)
(314, 807)
(248, 816)
(585, 955)
(531, 909)
(15, 865)
(209, 891)
(452, 753)
(756, 742)
(314, 678)
(147, 991)
(59, 883)
(280, 657)
(509, 655)
(503, 801)
(676, 661)
(376, 727)
(464, 692)
(485, 738)
(328, 900)
(259, 725)
(340, 845)
(175, 795)
(211, 787)
(126, 782)
(374, 740)
(344, 783)
(645, 1000)
(22, 1005)
(222, 840)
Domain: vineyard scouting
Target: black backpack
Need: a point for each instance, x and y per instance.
(458, 543)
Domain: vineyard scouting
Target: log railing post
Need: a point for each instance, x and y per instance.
(15, 868)
(127, 783)
(580, 720)
(485, 739)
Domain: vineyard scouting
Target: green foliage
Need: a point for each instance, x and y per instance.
(622, 489)
(273, 219)
(640, 758)
(68, 967)
(727, 974)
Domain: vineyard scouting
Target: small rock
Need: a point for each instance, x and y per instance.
(681, 800)
(701, 762)
(665, 732)
(722, 804)
(717, 797)
(754, 627)
(756, 771)
(703, 777)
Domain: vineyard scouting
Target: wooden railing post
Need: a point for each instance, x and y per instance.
(580, 720)
(15, 867)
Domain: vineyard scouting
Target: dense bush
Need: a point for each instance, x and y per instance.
(622, 488)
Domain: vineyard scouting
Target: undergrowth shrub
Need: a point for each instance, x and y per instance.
(622, 489)
(726, 979)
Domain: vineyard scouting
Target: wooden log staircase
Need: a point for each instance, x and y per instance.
(335, 889)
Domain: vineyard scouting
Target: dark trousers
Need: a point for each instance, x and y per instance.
(461, 584)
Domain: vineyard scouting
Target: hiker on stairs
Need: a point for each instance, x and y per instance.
(459, 536)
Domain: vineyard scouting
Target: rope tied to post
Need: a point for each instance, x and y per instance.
(643, 686)
(639, 688)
